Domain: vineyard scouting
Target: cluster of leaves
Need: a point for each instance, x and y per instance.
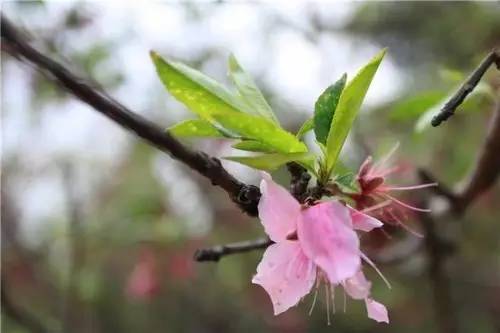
(243, 115)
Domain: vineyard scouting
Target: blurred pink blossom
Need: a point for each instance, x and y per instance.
(143, 282)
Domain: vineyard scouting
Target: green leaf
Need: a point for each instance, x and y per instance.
(251, 145)
(306, 127)
(347, 182)
(324, 109)
(348, 106)
(416, 105)
(201, 94)
(259, 129)
(195, 128)
(249, 91)
(269, 161)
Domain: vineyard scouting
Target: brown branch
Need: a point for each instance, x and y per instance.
(487, 167)
(440, 189)
(483, 176)
(449, 108)
(245, 196)
(219, 251)
(437, 251)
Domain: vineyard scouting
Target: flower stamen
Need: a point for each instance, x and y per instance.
(327, 304)
(406, 188)
(371, 263)
(399, 202)
(314, 297)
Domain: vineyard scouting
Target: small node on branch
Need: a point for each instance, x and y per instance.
(300, 180)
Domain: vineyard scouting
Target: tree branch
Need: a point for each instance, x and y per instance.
(219, 251)
(245, 196)
(449, 108)
(440, 189)
(437, 251)
(487, 167)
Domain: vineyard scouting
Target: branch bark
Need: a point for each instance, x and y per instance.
(245, 196)
(437, 251)
(449, 108)
(217, 252)
(487, 168)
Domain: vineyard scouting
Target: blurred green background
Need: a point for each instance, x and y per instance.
(99, 229)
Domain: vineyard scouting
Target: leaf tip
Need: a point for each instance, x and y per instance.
(382, 53)
(232, 62)
(155, 56)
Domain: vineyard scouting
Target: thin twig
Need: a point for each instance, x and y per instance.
(449, 108)
(219, 251)
(245, 196)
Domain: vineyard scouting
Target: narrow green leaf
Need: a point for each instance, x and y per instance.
(348, 106)
(195, 128)
(201, 94)
(259, 129)
(306, 127)
(268, 161)
(249, 91)
(324, 109)
(251, 145)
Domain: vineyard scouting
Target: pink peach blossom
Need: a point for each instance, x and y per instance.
(143, 281)
(312, 244)
(372, 179)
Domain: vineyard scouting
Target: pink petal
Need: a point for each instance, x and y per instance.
(365, 168)
(286, 274)
(358, 287)
(278, 209)
(326, 236)
(363, 222)
(143, 283)
(376, 311)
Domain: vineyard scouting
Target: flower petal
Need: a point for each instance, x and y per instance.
(358, 287)
(363, 222)
(326, 236)
(286, 274)
(365, 168)
(376, 311)
(278, 209)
